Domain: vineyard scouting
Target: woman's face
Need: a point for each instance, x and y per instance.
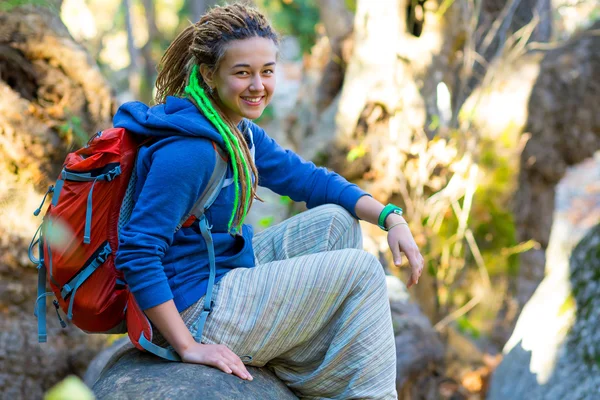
(245, 80)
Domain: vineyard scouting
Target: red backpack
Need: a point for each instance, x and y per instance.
(79, 236)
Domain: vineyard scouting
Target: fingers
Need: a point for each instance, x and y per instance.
(396, 254)
(219, 356)
(410, 282)
(234, 363)
(401, 241)
(237, 366)
(416, 261)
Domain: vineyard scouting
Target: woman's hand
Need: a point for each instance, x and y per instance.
(215, 355)
(401, 240)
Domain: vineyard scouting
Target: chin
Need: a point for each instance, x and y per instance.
(253, 115)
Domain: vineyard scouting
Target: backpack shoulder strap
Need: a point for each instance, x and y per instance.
(211, 191)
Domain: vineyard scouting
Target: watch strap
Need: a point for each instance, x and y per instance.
(387, 210)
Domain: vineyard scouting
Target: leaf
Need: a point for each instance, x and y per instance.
(266, 221)
(70, 388)
(431, 269)
(568, 305)
(465, 326)
(285, 200)
(356, 153)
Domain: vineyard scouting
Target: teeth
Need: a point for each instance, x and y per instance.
(252, 99)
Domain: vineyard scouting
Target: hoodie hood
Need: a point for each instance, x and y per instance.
(177, 116)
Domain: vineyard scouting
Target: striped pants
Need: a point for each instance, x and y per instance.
(314, 309)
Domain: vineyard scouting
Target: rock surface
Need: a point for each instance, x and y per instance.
(121, 372)
(564, 126)
(137, 375)
(554, 351)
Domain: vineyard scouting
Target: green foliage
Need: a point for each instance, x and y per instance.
(71, 388)
(351, 5)
(435, 122)
(356, 152)
(293, 17)
(8, 5)
(321, 158)
(492, 220)
(266, 221)
(285, 200)
(466, 327)
(431, 268)
(73, 132)
(568, 305)
(267, 115)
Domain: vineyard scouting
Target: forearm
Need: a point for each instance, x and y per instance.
(168, 321)
(368, 209)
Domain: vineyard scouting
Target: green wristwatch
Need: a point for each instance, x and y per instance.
(387, 210)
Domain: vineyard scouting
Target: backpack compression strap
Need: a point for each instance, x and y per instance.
(215, 183)
(204, 202)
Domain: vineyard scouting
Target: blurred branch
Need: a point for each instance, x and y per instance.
(199, 7)
(150, 12)
(134, 54)
(500, 27)
(459, 312)
(485, 277)
(336, 18)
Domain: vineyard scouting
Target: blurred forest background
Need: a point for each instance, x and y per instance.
(470, 114)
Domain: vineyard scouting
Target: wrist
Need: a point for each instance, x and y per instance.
(394, 219)
(182, 345)
(386, 213)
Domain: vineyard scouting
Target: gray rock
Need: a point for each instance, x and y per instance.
(560, 361)
(132, 374)
(105, 359)
(419, 350)
(122, 372)
(554, 350)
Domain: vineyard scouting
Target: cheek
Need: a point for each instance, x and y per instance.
(235, 88)
(230, 90)
(270, 86)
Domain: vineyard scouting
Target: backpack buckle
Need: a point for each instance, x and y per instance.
(210, 306)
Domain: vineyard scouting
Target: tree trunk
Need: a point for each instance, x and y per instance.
(564, 125)
(52, 96)
(199, 7)
(133, 70)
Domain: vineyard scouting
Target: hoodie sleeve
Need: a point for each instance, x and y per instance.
(286, 173)
(178, 170)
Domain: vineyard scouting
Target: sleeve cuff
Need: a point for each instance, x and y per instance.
(154, 295)
(349, 197)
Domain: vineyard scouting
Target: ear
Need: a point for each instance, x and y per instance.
(207, 75)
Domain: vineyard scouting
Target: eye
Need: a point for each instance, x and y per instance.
(268, 72)
(242, 73)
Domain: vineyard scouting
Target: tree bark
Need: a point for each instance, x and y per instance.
(336, 18)
(564, 125)
(51, 96)
(133, 70)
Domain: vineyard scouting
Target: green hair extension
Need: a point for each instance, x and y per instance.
(197, 93)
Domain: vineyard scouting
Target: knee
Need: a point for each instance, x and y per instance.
(345, 225)
(369, 266)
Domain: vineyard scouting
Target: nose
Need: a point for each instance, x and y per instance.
(256, 84)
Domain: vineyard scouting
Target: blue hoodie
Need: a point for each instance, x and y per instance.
(173, 170)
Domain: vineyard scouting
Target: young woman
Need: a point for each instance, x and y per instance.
(301, 297)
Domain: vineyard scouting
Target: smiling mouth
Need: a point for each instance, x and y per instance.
(253, 101)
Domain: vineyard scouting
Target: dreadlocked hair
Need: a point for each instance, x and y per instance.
(205, 43)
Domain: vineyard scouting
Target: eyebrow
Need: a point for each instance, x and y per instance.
(248, 65)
